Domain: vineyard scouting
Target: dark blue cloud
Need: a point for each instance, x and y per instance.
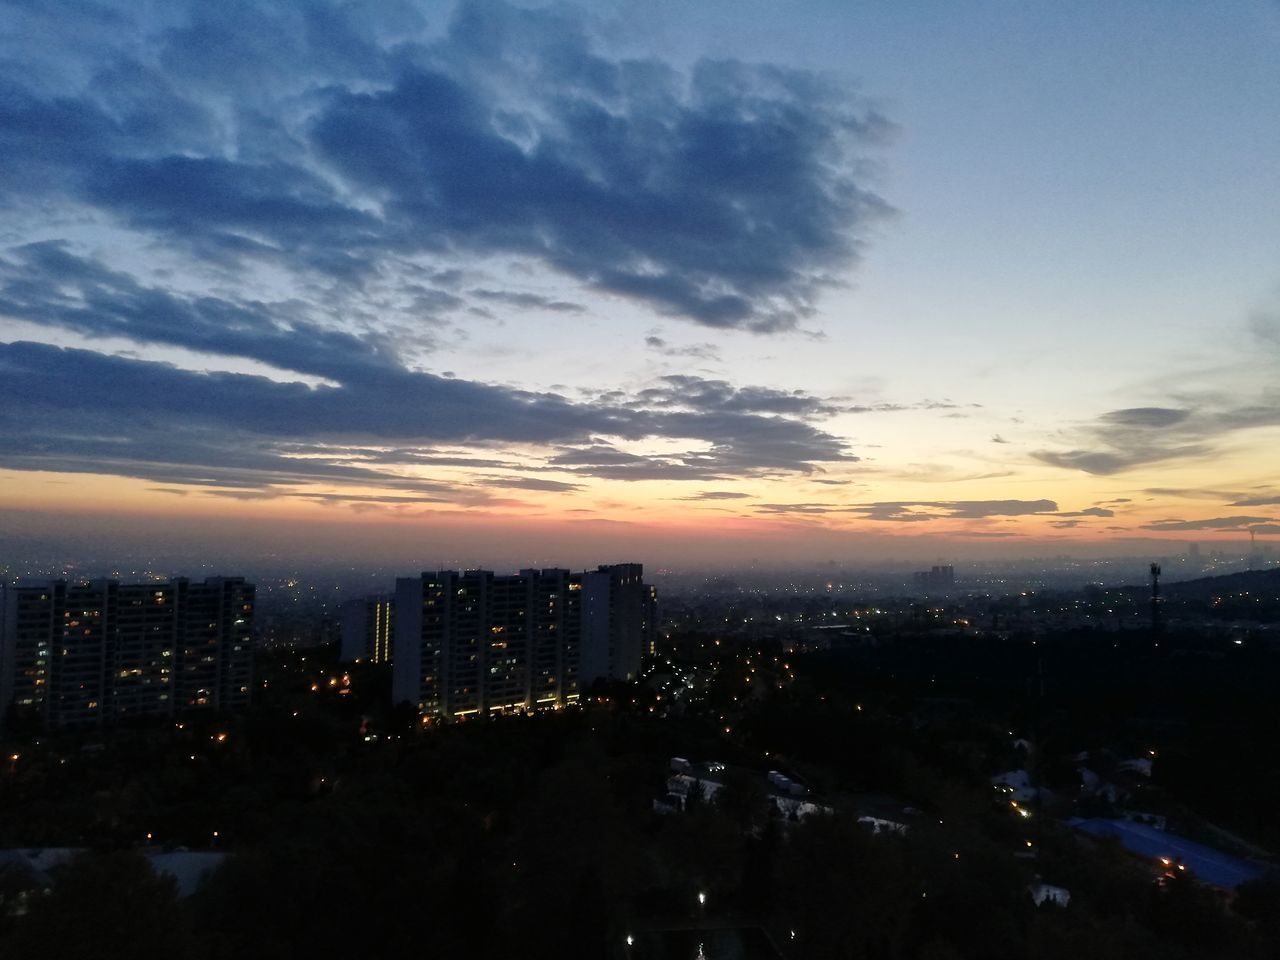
(1124, 439)
(696, 351)
(81, 411)
(311, 187)
(393, 404)
(292, 209)
(44, 141)
(45, 283)
(699, 393)
(726, 196)
(527, 301)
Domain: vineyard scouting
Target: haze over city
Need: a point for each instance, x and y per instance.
(699, 283)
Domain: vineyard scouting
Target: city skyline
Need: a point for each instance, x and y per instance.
(505, 281)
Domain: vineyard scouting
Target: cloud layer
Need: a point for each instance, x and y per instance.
(306, 198)
(725, 195)
(237, 237)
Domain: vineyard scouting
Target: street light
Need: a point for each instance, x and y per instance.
(702, 899)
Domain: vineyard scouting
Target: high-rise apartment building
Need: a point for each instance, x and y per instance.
(651, 616)
(30, 618)
(89, 653)
(555, 636)
(368, 629)
(215, 643)
(475, 643)
(143, 648)
(613, 630)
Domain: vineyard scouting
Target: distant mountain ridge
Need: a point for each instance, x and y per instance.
(1263, 582)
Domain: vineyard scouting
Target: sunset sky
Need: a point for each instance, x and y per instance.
(668, 281)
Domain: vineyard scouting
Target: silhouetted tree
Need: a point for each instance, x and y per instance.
(103, 905)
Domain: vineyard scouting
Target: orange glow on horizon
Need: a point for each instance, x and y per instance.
(646, 517)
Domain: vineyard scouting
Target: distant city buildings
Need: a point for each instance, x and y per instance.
(368, 626)
(94, 653)
(468, 643)
(936, 578)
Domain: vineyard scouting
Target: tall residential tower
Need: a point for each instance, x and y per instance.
(472, 642)
(89, 653)
(368, 626)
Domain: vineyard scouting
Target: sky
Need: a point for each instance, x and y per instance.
(491, 282)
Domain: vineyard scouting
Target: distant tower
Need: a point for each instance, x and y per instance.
(1155, 596)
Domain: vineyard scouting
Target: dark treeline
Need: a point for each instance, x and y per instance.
(1204, 704)
(538, 836)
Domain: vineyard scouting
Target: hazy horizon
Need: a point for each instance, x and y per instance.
(378, 555)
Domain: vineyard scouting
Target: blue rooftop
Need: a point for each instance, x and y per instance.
(1206, 864)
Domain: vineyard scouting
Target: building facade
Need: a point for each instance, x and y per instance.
(474, 643)
(651, 621)
(368, 629)
(936, 578)
(614, 632)
(98, 652)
